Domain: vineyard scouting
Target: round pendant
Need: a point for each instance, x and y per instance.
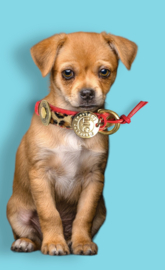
(85, 124)
(45, 112)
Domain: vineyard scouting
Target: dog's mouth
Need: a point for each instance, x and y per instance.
(91, 105)
(88, 107)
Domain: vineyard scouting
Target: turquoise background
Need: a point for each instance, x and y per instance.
(133, 236)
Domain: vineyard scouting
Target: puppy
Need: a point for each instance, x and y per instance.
(57, 203)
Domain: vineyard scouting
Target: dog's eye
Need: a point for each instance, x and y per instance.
(104, 73)
(68, 74)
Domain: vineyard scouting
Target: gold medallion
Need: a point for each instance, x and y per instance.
(85, 124)
(45, 112)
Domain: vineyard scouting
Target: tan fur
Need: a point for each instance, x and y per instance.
(59, 178)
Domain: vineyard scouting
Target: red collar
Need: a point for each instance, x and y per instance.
(106, 117)
(55, 109)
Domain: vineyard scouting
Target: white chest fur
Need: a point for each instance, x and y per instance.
(69, 156)
(74, 157)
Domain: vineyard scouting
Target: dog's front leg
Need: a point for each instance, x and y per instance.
(51, 225)
(88, 201)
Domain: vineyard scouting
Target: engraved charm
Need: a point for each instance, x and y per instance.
(85, 124)
(45, 112)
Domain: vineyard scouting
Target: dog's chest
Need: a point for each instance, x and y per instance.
(73, 159)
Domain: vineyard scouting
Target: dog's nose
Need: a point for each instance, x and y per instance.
(87, 94)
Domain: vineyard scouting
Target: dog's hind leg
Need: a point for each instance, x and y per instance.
(25, 226)
(99, 217)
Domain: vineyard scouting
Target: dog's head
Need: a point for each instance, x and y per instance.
(83, 65)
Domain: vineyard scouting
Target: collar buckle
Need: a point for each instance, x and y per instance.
(105, 124)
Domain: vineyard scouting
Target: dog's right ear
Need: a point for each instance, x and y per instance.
(44, 52)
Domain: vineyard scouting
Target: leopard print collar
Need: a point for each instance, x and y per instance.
(85, 124)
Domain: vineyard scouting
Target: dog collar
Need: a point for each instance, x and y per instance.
(85, 124)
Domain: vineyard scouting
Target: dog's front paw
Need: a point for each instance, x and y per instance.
(23, 245)
(84, 248)
(55, 248)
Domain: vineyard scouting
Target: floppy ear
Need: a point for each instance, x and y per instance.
(44, 52)
(125, 49)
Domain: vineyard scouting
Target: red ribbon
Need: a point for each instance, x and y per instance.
(123, 118)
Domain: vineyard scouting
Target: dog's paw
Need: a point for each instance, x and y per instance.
(55, 248)
(84, 248)
(23, 245)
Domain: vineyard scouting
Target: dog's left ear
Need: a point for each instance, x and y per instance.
(44, 52)
(125, 49)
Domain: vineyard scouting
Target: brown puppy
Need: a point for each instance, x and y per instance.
(59, 177)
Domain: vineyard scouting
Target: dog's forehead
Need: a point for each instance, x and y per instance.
(86, 48)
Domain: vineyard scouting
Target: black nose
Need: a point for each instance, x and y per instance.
(87, 94)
